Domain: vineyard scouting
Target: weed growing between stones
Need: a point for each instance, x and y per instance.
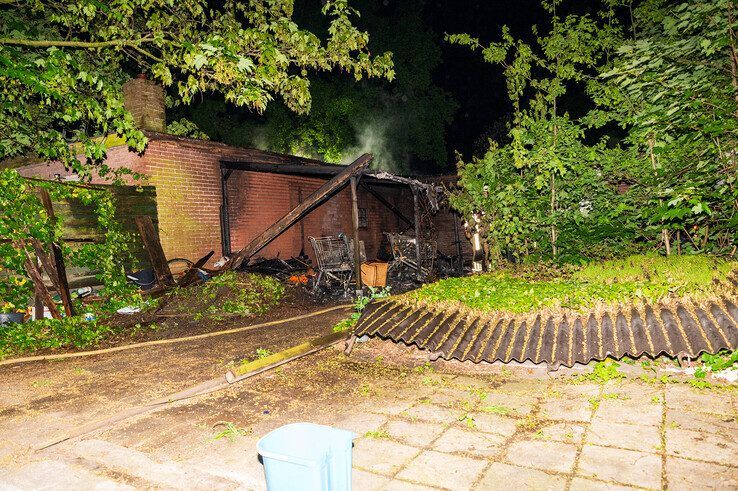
(230, 431)
(603, 372)
(376, 434)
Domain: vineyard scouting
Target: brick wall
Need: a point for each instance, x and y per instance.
(258, 199)
(186, 174)
(144, 99)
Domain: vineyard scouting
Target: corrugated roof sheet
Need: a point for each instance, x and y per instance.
(674, 327)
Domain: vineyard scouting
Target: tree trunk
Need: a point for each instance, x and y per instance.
(664, 232)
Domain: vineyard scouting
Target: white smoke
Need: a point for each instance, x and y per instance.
(373, 137)
(259, 138)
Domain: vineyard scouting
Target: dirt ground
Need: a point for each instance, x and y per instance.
(419, 425)
(168, 323)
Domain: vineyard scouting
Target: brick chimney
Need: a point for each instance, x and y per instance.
(144, 99)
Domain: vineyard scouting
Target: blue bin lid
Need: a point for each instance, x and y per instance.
(306, 444)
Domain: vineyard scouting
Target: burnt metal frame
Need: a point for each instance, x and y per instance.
(421, 261)
(325, 170)
(336, 258)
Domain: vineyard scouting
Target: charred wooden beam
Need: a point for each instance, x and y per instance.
(323, 170)
(31, 267)
(191, 274)
(355, 223)
(58, 269)
(151, 242)
(45, 261)
(416, 213)
(311, 202)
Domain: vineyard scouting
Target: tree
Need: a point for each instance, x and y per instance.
(668, 77)
(546, 176)
(62, 64)
(673, 85)
(399, 122)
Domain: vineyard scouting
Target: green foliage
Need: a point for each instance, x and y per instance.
(262, 353)
(720, 361)
(230, 431)
(647, 277)
(698, 383)
(231, 293)
(603, 372)
(185, 127)
(347, 118)
(62, 64)
(24, 217)
(376, 434)
(67, 332)
(672, 85)
(667, 82)
(468, 421)
(544, 190)
(359, 305)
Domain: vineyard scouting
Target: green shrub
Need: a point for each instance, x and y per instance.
(68, 332)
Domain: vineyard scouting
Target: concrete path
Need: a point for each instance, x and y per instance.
(419, 429)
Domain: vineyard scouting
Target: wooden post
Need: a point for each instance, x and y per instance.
(225, 221)
(416, 213)
(156, 254)
(357, 249)
(45, 263)
(459, 251)
(38, 303)
(302, 224)
(59, 269)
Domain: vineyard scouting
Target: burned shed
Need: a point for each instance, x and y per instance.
(215, 197)
(352, 177)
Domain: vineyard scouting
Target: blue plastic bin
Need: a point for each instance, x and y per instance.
(306, 456)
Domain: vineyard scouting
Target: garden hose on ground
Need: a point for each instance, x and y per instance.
(79, 354)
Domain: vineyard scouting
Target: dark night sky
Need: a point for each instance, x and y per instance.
(478, 87)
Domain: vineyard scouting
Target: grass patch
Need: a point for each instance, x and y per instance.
(523, 290)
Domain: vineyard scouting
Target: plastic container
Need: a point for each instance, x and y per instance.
(307, 457)
(12, 317)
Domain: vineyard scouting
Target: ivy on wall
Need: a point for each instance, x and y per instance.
(24, 217)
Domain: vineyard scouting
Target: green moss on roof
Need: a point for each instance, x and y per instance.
(647, 277)
(24, 160)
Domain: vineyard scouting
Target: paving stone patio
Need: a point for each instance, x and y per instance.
(582, 437)
(417, 429)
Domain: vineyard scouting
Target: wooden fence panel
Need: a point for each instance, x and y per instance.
(80, 225)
